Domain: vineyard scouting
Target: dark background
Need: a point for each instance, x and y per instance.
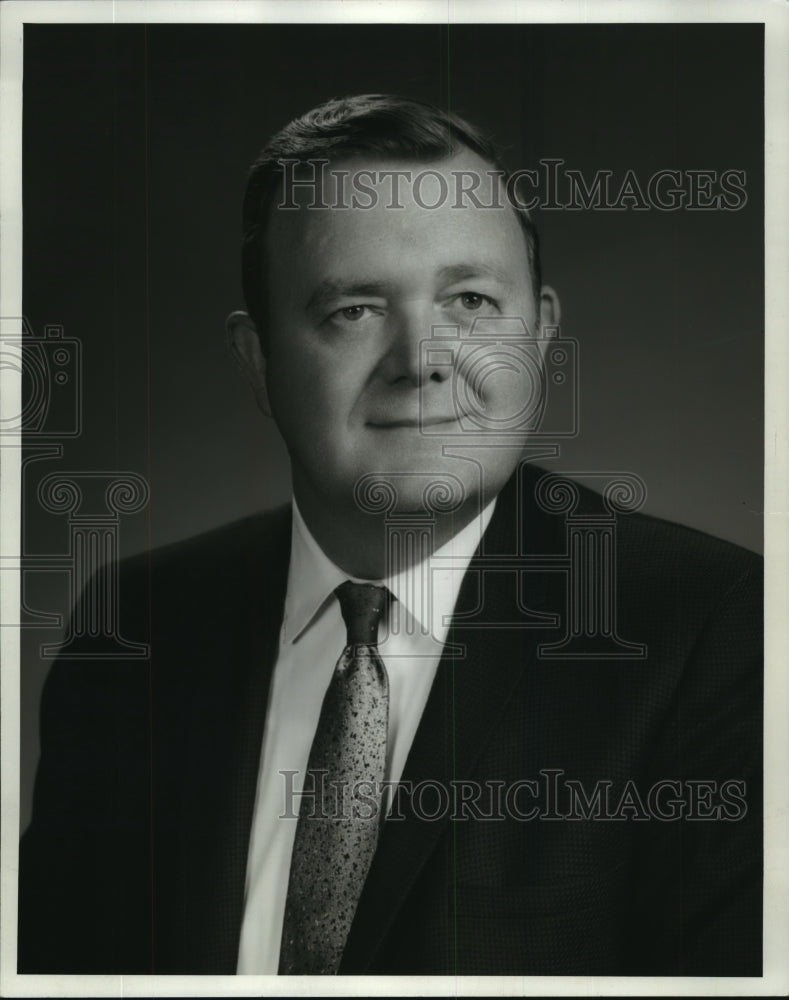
(136, 145)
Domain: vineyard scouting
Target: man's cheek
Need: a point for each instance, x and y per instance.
(505, 398)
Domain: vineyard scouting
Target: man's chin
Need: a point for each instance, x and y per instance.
(440, 485)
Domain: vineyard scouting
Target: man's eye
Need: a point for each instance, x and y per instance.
(352, 313)
(473, 300)
(357, 314)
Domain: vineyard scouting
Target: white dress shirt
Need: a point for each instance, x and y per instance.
(311, 640)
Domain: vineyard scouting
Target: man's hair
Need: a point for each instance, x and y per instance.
(381, 125)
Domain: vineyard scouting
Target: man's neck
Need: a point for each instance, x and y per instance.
(358, 542)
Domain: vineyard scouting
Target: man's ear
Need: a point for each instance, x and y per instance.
(244, 343)
(550, 308)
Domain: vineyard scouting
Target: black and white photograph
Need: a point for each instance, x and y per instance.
(394, 490)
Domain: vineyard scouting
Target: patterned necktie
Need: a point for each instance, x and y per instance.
(338, 827)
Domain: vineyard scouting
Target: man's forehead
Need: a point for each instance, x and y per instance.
(398, 180)
(371, 204)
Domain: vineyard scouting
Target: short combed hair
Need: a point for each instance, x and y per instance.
(380, 125)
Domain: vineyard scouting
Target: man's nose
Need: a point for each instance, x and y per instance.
(408, 358)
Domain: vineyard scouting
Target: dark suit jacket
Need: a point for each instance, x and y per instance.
(135, 859)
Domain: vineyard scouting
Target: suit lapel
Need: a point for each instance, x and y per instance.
(468, 696)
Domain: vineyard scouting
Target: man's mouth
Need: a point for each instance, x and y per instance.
(412, 422)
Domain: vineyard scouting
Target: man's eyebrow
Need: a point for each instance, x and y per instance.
(473, 269)
(333, 288)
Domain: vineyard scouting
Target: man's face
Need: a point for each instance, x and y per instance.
(353, 293)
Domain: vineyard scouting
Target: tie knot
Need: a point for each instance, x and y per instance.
(362, 605)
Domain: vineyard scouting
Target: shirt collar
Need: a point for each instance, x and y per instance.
(313, 577)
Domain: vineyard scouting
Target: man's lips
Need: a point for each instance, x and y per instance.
(414, 422)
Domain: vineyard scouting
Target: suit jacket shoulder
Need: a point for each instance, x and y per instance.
(616, 714)
(135, 857)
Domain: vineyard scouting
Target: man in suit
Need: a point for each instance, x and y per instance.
(571, 799)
